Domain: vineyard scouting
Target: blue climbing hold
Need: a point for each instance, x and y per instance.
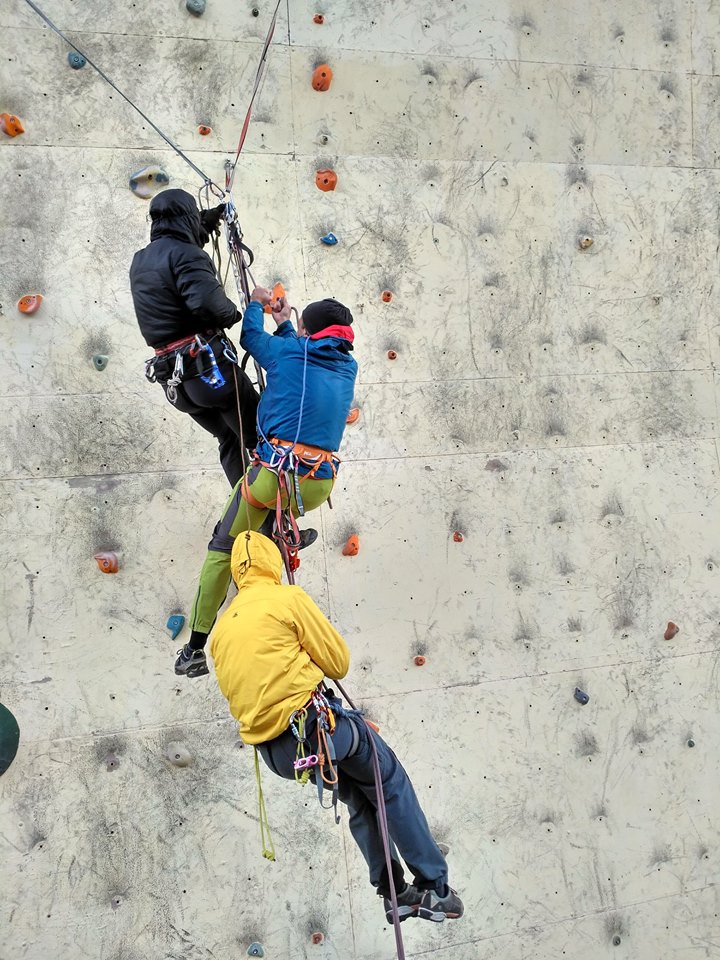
(175, 624)
(329, 240)
(255, 950)
(76, 60)
(581, 696)
(195, 7)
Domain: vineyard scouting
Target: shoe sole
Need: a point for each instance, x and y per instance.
(437, 916)
(404, 913)
(192, 673)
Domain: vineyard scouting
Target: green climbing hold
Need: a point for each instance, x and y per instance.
(100, 361)
(195, 7)
(9, 738)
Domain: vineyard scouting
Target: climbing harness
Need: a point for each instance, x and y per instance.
(169, 363)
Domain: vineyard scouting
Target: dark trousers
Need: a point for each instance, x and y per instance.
(216, 410)
(408, 828)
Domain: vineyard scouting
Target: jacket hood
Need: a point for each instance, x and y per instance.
(255, 558)
(174, 213)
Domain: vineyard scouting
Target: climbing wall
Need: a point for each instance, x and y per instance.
(527, 215)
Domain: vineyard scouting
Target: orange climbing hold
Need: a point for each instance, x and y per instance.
(319, 19)
(11, 125)
(204, 130)
(30, 303)
(386, 296)
(419, 660)
(352, 546)
(392, 355)
(671, 631)
(322, 78)
(353, 416)
(326, 180)
(278, 292)
(107, 561)
(458, 537)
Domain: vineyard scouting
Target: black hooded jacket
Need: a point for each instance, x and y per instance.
(174, 286)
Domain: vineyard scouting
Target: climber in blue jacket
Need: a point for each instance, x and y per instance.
(301, 418)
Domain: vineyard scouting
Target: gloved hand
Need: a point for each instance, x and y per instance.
(210, 219)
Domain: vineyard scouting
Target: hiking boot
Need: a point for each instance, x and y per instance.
(307, 538)
(191, 663)
(408, 902)
(433, 907)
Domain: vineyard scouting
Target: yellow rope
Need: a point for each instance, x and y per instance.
(265, 835)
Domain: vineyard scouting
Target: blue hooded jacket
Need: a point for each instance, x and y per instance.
(329, 373)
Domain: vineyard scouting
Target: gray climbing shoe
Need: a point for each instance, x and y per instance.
(435, 908)
(191, 663)
(408, 902)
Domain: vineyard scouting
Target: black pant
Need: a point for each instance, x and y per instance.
(215, 409)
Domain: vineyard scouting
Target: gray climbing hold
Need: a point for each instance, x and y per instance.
(444, 849)
(581, 696)
(616, 941)
(195, 7)
(691, 742)
(112, 761)
(255, 950)
(100, 361)
(115, 902)
(76, 60)
(178, 754)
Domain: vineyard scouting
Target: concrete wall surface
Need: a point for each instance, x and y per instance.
(538, 185)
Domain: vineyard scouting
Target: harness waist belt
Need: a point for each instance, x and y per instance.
(304, 450)
(177, 344)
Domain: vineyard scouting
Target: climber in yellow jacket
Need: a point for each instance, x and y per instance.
(272, 648)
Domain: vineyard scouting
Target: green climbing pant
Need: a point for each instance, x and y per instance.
(238, 516)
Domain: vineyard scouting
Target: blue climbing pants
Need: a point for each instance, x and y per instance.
(408, 828)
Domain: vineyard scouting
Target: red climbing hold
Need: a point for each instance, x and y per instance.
(391, 355)
(107, 561)
(322, 78)
(326, 180)
(11, 125)
(386, 296)
(352, 546)
(278, 292)
(204, 130)
(317, 938)
(419, 660)
(672, 630)
(319, 19)
(353, 416)
(30, 303)
(458, 537)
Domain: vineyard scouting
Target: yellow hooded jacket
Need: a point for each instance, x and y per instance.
(272, 646)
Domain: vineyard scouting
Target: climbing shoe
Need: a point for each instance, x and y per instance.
(408, 902)
(436, 908)
(307, 538)
(191, 663)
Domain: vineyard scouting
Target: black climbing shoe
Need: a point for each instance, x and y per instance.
(307, 538)
(433, 907)
(191, 663)
(408, 902)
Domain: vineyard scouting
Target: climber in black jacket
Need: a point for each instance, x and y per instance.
(182, 310)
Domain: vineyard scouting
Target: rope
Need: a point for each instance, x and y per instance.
(43, 16)
(265, 836)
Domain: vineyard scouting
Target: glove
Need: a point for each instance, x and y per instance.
(210, 219)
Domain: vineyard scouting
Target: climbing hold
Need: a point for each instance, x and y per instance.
(9, 738)
(255, 12)
(277, 293)
(30, 303)
(148, 181)
(178, 754)
(195, 7)
(329, 239)
(392, 355)
(11, 125)
(458, 537)
(325, 180)
(255, 950)
(100, 361)
(115, 902)
(317, 938)
(419, 660)
(352, 546)
(444, 849)
(585, 242)
(386, 296)
(672, 630)
(319, 19)
(76, 60)
(107, 561)
(353, 416)
(112, 762)
(175, 623)
(616, 941)
(204, 130)
(581, 696)
(691, 742)
(322, 78)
